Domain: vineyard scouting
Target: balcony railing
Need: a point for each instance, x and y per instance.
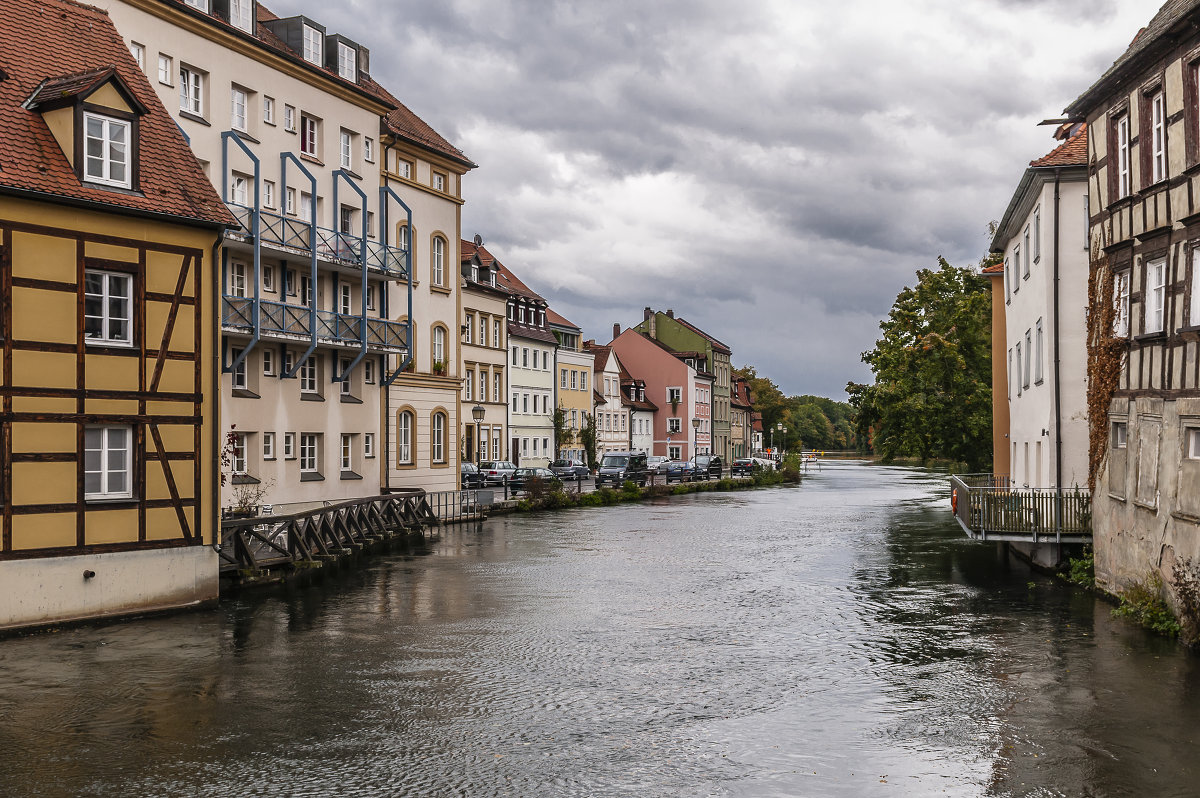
(330, 245)
(989, 508)
(292, 321)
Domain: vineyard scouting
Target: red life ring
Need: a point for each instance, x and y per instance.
(954, 499)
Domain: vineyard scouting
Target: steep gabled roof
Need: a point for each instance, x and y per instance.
(511, 283)
(73, 48)
(1072, 152)
(559, 320)
(1173, 13)
(601, 353)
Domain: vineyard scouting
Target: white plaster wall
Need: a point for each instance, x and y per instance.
(614, 411)
(524, 380)
(1031, 410)
(54, 590)
(643, 441)
(423, 472)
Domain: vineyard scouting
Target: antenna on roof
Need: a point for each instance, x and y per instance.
(478, 240)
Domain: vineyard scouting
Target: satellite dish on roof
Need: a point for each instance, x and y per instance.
(478, 240)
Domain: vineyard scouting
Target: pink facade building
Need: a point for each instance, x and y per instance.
(679, 384)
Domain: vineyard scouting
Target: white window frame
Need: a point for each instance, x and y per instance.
(369, 371)
(344, 385)
(438, 255)
(237, 377)
(138, 51)
(1123, 157)
(347, 453)
(309, 453)
(241, 14)
(674, 425)
(268, 446)
(289, 118)
(1158, 137)
(107, 293)
(313, 48)
(369, 445)
(370, 297)
(268, 195)
(237, 108)
(468, 384)
(268, 109)
(347, 62)
(1121, 302)
(200, 4)
(1037, 234)
(1120, 434)
(309, 135)
(439, 345)
(239, 186)
(289, 446)
(1028, 252)
(237, 279)
(191, 90)
(438, 181)
(268, 361)
(110, 149)
(347, 148)
(166, 69)
(1039, 343)
(346, 305)
(1191, 441)
(437, 437)
(1018, 348)
(1156, 295)
(368, 149)
(291, 202)
(308, 375)
(100, 438)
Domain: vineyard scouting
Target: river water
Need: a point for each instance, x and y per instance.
(841, 638)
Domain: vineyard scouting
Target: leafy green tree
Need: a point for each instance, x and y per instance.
(564, 436)
(932, 395)
(587, 439)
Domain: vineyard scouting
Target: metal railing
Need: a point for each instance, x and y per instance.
(987, 507)
(278, 318)
(453, 506)
(330, 245)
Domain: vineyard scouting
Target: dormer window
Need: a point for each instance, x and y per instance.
(313, 41)
(200, 4)
(347, 62)
(107, 150)
(241, 14)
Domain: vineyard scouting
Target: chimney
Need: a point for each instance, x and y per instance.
(670, 314)
(647, 313)
(616, 331)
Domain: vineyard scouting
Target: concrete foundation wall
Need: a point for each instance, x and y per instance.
(54, 589)
(1146, 506)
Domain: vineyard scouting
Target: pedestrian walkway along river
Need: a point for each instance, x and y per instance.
(840, 638)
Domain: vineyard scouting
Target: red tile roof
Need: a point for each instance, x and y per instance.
(72, 85)
(554, 318)
(1072, 152)
(72, 44)
(995, 268)
(601, 353)
(509, 282)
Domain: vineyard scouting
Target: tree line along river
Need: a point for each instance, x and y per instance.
(839, 638)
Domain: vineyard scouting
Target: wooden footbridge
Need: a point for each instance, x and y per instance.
(268, 548)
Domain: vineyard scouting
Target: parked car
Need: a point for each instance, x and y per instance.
(570, 469)
(655, 460)
(676, 471)
(471, 477)
(764, 463)
(744, 466)
(521, 478)
(496, 472)
(708, 466)
(617, 468)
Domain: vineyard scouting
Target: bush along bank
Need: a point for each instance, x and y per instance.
(541, 498)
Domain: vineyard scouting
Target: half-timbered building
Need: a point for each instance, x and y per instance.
(108, 433)
(1144, 354)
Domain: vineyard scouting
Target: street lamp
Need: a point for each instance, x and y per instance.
(783, 442)
(477, 413)
(695, 437)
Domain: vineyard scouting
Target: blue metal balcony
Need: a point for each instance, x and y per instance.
(331, 246)
(280, 320)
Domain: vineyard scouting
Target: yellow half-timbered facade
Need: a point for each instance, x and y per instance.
(107, 372)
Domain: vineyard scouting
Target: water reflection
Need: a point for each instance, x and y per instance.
(838, 639)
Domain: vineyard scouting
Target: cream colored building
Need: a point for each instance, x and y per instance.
(285, 119)
(423, 176)
(485, 355)
(531, 348)
(612, 417)
(573, 389)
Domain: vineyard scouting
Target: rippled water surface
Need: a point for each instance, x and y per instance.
(837, 639)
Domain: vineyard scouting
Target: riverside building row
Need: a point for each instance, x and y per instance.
(1096, 309)
(234, 280)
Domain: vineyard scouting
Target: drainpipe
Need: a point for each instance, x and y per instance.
(214, 462)
(1057, 375)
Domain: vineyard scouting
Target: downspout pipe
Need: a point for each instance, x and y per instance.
(284, 157)
(342, 174)
(214, 461)
(256, 307)
(1058, 470)
(385, 192)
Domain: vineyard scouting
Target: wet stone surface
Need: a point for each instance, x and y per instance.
(837, 639)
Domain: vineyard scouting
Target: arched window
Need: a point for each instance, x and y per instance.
(437, 273)
(438, 339)
(404, 437)
(437, 438)
(402, 237)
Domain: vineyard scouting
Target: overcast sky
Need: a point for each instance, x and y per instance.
(775, 171)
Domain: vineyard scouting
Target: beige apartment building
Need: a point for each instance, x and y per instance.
(485, 355)
(285, 119)
(573, 390)
(422, 177)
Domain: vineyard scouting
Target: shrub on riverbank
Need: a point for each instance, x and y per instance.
(1143, 602)
(629, 492)
(1081, 570)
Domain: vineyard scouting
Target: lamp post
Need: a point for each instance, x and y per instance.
(477, 413)
(778, 426)
(695, 437)
(783, 443)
